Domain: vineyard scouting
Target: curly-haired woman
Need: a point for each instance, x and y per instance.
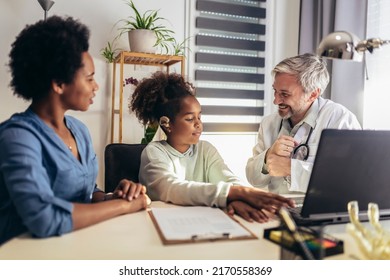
(48, 166)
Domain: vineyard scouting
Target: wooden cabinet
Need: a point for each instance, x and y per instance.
(124, 57)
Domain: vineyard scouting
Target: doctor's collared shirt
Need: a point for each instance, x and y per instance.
(40, 177)
(322, 114)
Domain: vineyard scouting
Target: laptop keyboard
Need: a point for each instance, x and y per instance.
(295, 210)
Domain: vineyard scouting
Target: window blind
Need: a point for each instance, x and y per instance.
(229, 63)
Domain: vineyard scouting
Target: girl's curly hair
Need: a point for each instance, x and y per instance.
(160, 95)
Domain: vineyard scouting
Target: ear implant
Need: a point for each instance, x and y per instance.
(164, 121)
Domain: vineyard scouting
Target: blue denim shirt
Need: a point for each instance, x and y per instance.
(40, 178)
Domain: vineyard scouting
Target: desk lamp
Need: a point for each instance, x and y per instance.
(346, 45)
(46, 5)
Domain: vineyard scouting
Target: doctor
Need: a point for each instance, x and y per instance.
(288, 139)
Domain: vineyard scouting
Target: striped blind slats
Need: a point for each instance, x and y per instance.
(229, 127)
(229, 93)
(229, 63)
(205, 75)
(229, 26)
(232, 110)
(230, 9)
(225, 59)
(232, 43)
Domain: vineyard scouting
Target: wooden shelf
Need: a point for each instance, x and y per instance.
(148, 59)
(135, 58)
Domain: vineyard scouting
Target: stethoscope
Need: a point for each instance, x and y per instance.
(301, 148)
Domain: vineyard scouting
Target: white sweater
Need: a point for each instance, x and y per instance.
(197, 177)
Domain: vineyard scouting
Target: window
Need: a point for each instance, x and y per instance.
(229, 68)
(229, 63)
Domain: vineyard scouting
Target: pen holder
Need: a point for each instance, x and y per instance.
(320, 245)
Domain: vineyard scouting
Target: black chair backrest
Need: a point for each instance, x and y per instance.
(121, 161)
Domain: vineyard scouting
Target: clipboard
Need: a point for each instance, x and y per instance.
(193, 224)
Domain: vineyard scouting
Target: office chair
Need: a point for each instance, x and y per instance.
(121, 161)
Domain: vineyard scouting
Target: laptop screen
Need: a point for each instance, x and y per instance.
(349, 165)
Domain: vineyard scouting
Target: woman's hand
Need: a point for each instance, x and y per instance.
(247, 212)
(85, 214)
(139, 203)
(128, 190)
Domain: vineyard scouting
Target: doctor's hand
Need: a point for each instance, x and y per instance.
(247, 212)
(259, 199)
(278, 165)
(283, 146)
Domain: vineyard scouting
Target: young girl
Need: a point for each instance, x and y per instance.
(182, 169)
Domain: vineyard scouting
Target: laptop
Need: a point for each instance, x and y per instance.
(349, 165)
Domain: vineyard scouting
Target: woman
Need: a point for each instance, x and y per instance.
(47, 164)
(182, 169)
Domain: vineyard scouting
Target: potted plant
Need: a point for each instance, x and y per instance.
(148, 26)
(179, 48)
(109, 52)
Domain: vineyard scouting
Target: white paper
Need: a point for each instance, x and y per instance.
(197, 222)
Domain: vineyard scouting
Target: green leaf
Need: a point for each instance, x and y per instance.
(151, 20)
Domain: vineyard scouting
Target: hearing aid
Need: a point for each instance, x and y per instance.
(164, 121)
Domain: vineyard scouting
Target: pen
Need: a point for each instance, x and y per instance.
(293, 229)
(203, 236)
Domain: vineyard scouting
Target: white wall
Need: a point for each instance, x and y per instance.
(101, 16)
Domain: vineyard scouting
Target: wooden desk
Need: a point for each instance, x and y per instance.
(134, 236)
